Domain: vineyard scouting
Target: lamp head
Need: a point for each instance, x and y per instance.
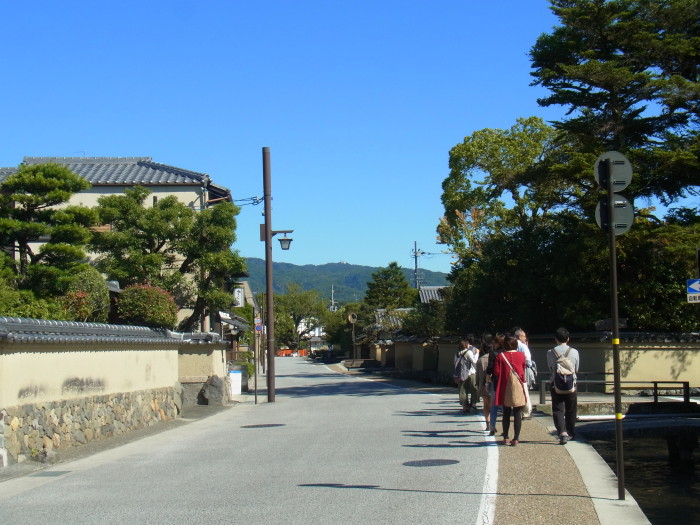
(285, 242)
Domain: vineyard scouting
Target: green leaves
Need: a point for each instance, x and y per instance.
(170, 245)
(144, 305)
(519, 203)
(389, 289)
(31, 212)
(298, 312)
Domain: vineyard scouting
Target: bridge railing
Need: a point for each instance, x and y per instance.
(624, 385)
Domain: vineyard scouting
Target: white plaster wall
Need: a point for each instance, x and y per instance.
(33, 374)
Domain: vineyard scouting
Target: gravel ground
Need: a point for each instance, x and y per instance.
(539, 483)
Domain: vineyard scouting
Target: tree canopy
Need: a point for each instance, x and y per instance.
(171, 246)
(43, 237)
(519, 203)
(390, 289)
(298, 313)
(627, 73)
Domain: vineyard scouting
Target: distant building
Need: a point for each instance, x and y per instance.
(430, 293)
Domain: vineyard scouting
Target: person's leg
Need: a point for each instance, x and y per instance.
(473, 392)
(494, 409)
(463, 394)
(487, 410)
(570, 408)
(558, 412)
(506, 423)
(517, 424)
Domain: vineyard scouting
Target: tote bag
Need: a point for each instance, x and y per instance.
(514, 394)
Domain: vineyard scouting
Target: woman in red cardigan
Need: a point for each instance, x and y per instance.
(502, 370)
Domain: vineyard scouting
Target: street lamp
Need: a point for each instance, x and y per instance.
(266, 234)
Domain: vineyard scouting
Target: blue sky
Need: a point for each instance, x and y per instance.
(359, 102)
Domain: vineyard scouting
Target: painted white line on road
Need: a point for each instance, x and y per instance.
(487, 508)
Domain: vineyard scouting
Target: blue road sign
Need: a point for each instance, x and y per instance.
(694, 286)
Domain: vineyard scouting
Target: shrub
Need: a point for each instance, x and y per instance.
(146, 305)
(23, 303)
(88, 296)
(246, 359)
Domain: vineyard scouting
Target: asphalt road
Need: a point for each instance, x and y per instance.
(333, 448)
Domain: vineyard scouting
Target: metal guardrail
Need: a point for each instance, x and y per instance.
(544, 387)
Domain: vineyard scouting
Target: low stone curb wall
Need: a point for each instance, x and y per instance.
(37, 431)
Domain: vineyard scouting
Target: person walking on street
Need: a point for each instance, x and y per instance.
(508, 362)
(492, 379)
(530, 366)
(465, 373)
(521, 336)
(563, 363)
(482, 378)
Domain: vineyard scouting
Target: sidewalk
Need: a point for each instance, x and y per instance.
(542, 482)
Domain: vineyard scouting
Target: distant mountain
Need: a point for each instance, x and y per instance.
(349, 281)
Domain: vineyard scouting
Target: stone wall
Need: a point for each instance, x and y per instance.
(38, 431)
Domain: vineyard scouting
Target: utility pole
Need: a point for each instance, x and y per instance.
(333, 307)
(416, 253)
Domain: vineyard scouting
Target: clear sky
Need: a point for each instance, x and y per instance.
(359, 102)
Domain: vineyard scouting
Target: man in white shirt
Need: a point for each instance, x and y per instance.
(521, 336)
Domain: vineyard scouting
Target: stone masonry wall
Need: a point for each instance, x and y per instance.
(38, 431)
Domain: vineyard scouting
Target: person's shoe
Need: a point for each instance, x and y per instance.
(492, 432)
(506, 441)
(563, 439)
(514, 442)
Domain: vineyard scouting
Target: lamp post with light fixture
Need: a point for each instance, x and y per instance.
(266, 234)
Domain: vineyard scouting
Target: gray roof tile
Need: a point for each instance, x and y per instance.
(126, 171)
(430, 293)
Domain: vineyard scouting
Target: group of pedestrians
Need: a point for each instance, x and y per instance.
(501, 371)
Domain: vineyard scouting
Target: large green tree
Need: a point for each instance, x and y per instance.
(627, 73)
(519, 203)
(298, 313)
(390, 289)
(43, 236)
(170, 245)
(488, 188)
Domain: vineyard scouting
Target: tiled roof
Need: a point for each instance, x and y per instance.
(391, 319)
(430, 293)
(22, 330)
(127, 171)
